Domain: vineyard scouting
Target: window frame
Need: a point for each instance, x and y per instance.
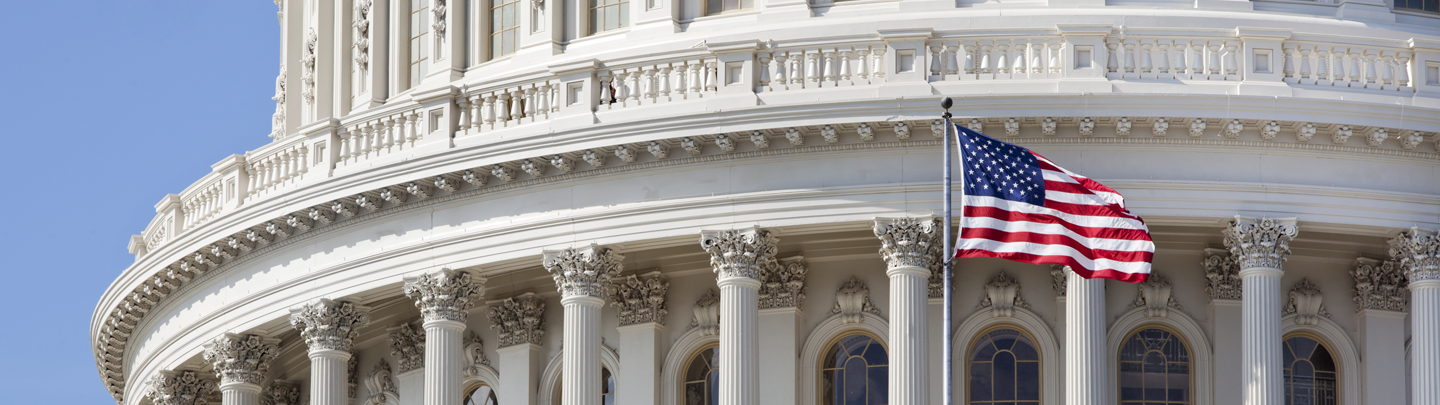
(820, 359)
(1034, 343)
(682, 379)
(470, 390)
(594, 25)
(1192, 394)
(1334, 357)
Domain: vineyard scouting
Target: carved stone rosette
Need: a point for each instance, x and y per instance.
(707, 314)
(1154, 295)
(1306, 303)
(1260, 242)
(640, 300)
(783, 285)
(444, 294)
(184, 387)
(740, 253)
(327, 324)
(1002, 295)
(1418, 252)
(240, 358)
(1379, 285)
(520, 319)
(852, 300)
(584, 271)
(281, 393)
(407, 345)
(909, 242)
(1223, 275)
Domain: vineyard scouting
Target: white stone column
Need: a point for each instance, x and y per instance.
(1418, 252)
(642, 318)
(582, 276)
(241, 363)
(444, 297)
(1086, 380)
(910, 247)
(181, 387)
(739, 258)
(1223, 283)
(1260, 246)
(329, 327)
(520, 322)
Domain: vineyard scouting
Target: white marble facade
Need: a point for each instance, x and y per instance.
(674, 202)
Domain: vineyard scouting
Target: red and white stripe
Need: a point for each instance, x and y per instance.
(1083, 225)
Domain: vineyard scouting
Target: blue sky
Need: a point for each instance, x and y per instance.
(108, 106)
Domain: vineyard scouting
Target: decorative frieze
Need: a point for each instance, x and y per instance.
(240, 358)
(740, 253)
(519, 319)
(327, 324)
(445, 294)
(184, 387)
(380, 385)
(783, 284)
(909, 242)
(707, 314)
(1418, 251)
(1223, 275)
(583, 271)
(1260, 242)
(407, 346)
(1305, 303)
(902, 130)
(1002, 295)
(282, 393)
(1154, 295)
(640, 300)
(794, 136)
(361, 24)
(1379, 285)
(474, 354)
(852, 301)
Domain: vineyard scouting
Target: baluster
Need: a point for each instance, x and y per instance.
(347, 139)
(1305, 77)
(502, 106)
(304, 159)
(554, 91)
(1291, 55)
(681, 84)
(1214, 64)
(647, 83)
(1322, 66)
(828, 66)
(665, 82)
(543, 93)
(1017, 67)
(476, 113)
(464, 105)
(797, 73)
(604, 82)
(812, 69)
(1002, 60)
(935, 59)
(780, 79)
(986, 72)
(952, 61)
(846, 72)
(412, 125)
(862, 57)
(1037, 57)
(391, 135)
(290, 162)
(489, 110)
(1181, 69)
(530, 103)
(1147, 65)
(710, 73)
(387, 129)
(1230, 62)
(1388, 72)
(633, 89)
(1130, 65)
(1370, 74)
(1355, 73)
(968, 65)
(764, 74)
(1112, 60)
(1402, 64)
(362, 140)
(1163, 50)
(878, 71)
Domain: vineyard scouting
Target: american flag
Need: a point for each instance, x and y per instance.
(1022, 207)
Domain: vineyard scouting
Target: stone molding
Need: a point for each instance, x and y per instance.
(241, 358)
(909, 242)
(583, 272)
(183, 387)
(1002, 295)
(327, 324)
(519, 319)
(1379, 285)
(407, 346)
(707, 314)
(1418, 251)
(1306, 303)
(282, 393)
(445, 295)
(743, 253)
(1154, 295)
(1222, 274)
(783, 283)
(380, 385)
(852, 302)
(1260, 242)
(474, 352)
(641, 299)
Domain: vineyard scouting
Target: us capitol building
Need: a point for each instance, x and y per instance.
(736, 202)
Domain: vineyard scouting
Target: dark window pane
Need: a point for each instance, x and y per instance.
(879, 385)
(1004, 376)
(1025, 351)
(1322, 360)
(981, 377)
(875, 355)
(984, 350)
(1027, 382)
(854, 378)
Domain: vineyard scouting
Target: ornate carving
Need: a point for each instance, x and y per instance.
(1418, 252)
(362, 34)
(866, 132)
(437, 11)
(1232, 129)
(1048, 126)
(937, 127)
(1270, 130)
(1377, 137)
(277, 120)
(563, 163)
(1012, 127)
(300, 223)
(1059, 280)
(1223, 274)
(852, 301)
(1412, 139)
(475, 178)
(760, 140)
(1160, 127)
(534, 169)
(1260, 242)
(1154, 296)
(783, 284)
(281, 393)
(1197, 127)
(1306, 303)
(327, 324)
(640, 300)
(343, 208)
(974, 124)
(520, 319)
(657, 150)
(503, 173)
(240, 359)
(474, 354)
(1341, 134)
(352, 376)
(184, 387)
(583, 271)
(594, 159)
(909, 242)
(830, 134)
(690, 146)
(444, 294)
(707, 314)
(393, 196)
(1305, 132)
(322, 216)
(380, 385)
(724, 142)
(936, 282)
(1087, 126)
(407, 345)
(625, 154)
(1002, 295)
(1123, 125)
(902, 130)
(307, 66)
(794, 137)
(1379, 285)
(740, 253)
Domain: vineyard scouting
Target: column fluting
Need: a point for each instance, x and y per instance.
(327, 377)
(739, 258)
(444, 297)
(1086, 378)
(241, 363)
(329, 327)
(910, 247)
(583, 277)
(1418, 252)
(1260, 246)
(239, 394)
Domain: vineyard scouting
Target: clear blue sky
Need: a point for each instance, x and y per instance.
(108, 106)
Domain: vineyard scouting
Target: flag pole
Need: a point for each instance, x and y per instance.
(947, 376)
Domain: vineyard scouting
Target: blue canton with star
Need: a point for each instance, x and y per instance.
(998, 169)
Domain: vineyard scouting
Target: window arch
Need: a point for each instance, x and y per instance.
(1311, 377)
(1003, 367)
(480, 395)
(701, 384)
(607, 389)
(1155, 368)
(855, 371)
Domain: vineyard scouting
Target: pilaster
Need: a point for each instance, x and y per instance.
(579, 93)
(1224, 287)
(903, 67)
(642, 347)
(1418, 251)
(520, 321)
(1260, 246)
(1086, 379)
(582, 275)
(240, 362)
(519, 373)
(1083, 57)
(448, 38)
(444, 297)
(739, 257)
(1261, 69)
(736, 68)
(910, 247)
(329, 327)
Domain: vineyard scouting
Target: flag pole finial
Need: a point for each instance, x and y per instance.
(946, 103)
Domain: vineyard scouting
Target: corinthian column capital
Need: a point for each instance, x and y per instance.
(1260, 242)
(184, 387)
(583, 272)
(327, 324)
(744, 253)
(909, 242)
(445, 294)
(241, 358)
(1418, 251)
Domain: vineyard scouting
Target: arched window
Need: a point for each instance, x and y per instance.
(1154, 369)
(1004, 369)
(855, 371)
(1310, 376)
(607, 389)
(481, 395)
(702, 379)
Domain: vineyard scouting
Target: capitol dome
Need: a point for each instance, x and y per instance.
(738, 202)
